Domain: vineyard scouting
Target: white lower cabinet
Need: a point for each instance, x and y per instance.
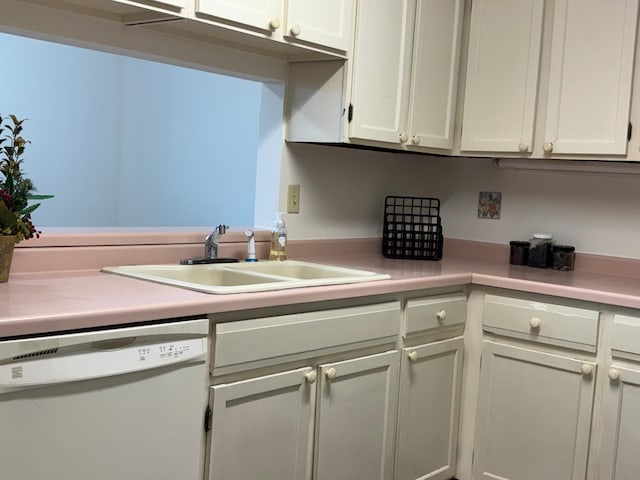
(619, 459)
(534, 414)
(356, 418)
(263, 428)
(619, 434)
(429, 410)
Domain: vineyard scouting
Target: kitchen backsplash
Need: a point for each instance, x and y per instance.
(343, 190)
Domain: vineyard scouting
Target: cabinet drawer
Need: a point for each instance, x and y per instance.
(543, 322)
(429, 313)
(254, 343)
(626, 334)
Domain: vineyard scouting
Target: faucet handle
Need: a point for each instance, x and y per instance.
(222, 229)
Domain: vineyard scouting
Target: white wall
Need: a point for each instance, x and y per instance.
(343, 190)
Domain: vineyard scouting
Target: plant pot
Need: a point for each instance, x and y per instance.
(7, 242)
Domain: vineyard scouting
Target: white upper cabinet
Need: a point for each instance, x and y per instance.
(502, 75)
(405, 72)
(327, 23)
(590, 77)
(381, 69)
(585, 93)
(264, 15)
(434, 74)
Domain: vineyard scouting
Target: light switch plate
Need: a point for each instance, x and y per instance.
(293, 199)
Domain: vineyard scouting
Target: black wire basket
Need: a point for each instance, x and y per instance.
(412, 228)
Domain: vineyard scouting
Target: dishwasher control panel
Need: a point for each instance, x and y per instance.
(98, 360)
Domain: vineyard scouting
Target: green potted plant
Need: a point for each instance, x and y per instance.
(16, 192)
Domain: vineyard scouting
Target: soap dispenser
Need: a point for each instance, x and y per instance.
(278, 250)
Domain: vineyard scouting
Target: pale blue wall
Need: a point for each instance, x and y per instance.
(195, 161)
(70, 98)
(126, 142)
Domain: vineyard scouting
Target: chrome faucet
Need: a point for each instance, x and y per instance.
(212, 241)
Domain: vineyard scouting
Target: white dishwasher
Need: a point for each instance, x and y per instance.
(125, 404)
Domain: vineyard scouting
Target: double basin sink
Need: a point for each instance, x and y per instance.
(223, 278)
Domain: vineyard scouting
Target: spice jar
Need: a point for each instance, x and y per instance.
(518, 252)
(540, 253)
(563, 257)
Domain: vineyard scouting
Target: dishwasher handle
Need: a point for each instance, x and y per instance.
(90, 363)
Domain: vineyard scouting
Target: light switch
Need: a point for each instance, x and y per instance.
(293, 199)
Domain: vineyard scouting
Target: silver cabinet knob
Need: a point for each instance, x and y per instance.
(523, 147)
(295, 30)
(413, 356)
(548, 147)
(331, 373)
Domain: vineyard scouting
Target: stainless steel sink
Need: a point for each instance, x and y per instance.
(246, 277)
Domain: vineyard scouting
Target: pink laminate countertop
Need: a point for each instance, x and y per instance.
(38, 303)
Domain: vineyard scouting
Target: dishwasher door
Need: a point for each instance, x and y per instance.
(125, 404)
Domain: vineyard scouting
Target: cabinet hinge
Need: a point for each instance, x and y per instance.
(208, 413)
(350, 113)
(629, 132)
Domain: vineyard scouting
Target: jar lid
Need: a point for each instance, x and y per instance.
(564, 248)
(543, 236)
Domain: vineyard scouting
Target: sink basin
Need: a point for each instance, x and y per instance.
(246, 277)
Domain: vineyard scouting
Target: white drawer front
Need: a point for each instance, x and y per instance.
(626, 334)
(544, 322)
(429, 313)
(279, 338)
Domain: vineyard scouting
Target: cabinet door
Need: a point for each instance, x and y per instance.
(263, 427)
(264, 15)
(381, 70)
(534, 415)
(619, 459)
(429, 410)
(502, 75)
(143, 3)
(434, 74)
(590, 76)
(356, 418)
(327, 23)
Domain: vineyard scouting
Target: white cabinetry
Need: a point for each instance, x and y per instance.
(534, 414)
(430, 388)
(535, 402)
(405, 71)
(502, 75)
(618, 456)
(335, 419)
(587, 85)
(176, 5)
(429, 410)
(590, 76)
(264, 15)
(263, 427)
(327, 24)
(356, 418)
